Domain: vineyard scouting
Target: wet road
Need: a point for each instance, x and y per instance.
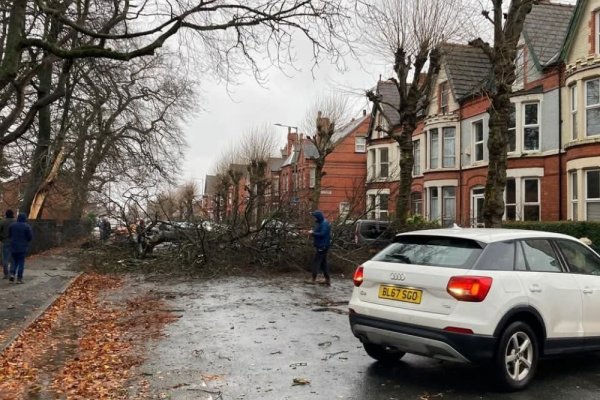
(248, 338)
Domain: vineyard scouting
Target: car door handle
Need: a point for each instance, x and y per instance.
(588, 291)
(535, 288)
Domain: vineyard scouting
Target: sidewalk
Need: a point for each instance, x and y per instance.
(46, 277)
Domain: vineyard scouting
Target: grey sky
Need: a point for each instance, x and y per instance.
(224, 117)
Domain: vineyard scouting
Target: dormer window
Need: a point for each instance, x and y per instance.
(444, 94)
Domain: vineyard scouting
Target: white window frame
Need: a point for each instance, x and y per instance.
(597, 31)
(432, 146)
(573, 194)
(514, 129)
(537, 125)
(381, 122)
(374, 211)
(444, 97)
(447, 143)
(520, 202)
(587, 199)
(360, 144)
(474, 197)
(431, 202)
(416, 206)
(447, 220)
(476, 142)
(590, 107)
(375, 163)
(417, 157)
(573, 93)
(312, 177)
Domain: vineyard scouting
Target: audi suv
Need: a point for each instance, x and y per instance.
(503, 297)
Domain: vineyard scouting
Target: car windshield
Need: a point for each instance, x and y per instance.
(437, 251)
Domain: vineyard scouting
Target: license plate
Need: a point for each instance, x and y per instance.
(400, 294)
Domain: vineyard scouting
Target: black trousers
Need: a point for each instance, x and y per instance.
(320, 263)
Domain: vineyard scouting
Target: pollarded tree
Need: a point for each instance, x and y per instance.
(325, 117)
(407, 33)
(257, 146)
(502, 54)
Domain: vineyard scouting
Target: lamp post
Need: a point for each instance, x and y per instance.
(287, 126)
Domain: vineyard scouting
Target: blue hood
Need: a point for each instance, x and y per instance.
(22, 217)
(318, 215)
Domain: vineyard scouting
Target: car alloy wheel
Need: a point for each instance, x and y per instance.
(517, 356)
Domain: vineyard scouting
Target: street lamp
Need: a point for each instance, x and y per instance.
(287, 126)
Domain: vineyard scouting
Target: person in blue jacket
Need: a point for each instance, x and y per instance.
(20, 235)
(321, 240)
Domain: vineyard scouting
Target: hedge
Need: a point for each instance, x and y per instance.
(576, 229)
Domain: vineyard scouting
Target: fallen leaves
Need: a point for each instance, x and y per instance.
(84, 347)
(300, 381)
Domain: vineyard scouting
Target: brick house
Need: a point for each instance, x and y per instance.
(450, 144)
(581, 114)
(342, 185)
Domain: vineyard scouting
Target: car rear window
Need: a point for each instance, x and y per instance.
(440, 251)
(373, 230)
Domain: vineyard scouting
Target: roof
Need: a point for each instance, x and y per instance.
(468, 69)
(275, 163)
(347, 129)
(292, 158)
(310, 150)
(210, 184)
(489, 235)
(390, 101)
(545, 30)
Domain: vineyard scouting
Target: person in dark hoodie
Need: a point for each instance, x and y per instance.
(321, 240)
(6, 250)
(20, 235)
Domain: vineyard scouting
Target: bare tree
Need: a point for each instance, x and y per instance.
(507, 31)
(326, 116)
(408, 33)
(256, 148)
(42, 36)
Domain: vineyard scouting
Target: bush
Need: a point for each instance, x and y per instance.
(576, 229)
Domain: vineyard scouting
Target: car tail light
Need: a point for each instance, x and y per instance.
(358, 276)
(469, 288)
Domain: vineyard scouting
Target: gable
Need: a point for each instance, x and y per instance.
(580, 40)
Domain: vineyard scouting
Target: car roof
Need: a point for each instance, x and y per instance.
(488, 235)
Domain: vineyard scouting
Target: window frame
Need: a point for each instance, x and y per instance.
(573, 93)
(416, 157)
(477, 143)
(597, 31)
(574, 195)
(416, 203)
(590, 107)
(512, 138)
(444, 89)
(445, 220)
(526, 203)
(451, 144)
(360, 144)
(537, 125)
(587, 199)
(374, 210)
(430, 134)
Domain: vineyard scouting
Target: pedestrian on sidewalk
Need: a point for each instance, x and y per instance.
(321, 240)
(20, 235)
(6, 250)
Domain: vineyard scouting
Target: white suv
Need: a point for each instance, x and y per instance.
(476, 295)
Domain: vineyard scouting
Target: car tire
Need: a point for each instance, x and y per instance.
(517, 356)
(383, 354)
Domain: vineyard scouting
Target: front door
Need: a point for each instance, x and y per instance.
(477, 208)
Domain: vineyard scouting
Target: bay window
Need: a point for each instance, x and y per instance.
(417, 157)
(449, 137)
(379, 163)
(574, 195)
(573, 91)
(378, 205)
(444, 146)
(512, 129)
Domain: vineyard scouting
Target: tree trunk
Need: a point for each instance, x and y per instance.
(406, 169)
(315, 197)
(499, 111)
(39, 199)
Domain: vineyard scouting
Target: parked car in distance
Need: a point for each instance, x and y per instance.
(372, 234)
(503, 296)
